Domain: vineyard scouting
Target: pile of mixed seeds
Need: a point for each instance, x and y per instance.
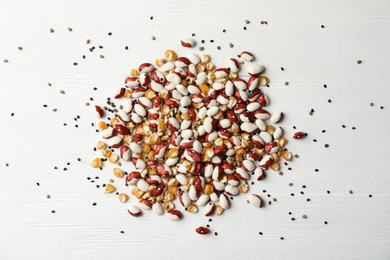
(192, 131)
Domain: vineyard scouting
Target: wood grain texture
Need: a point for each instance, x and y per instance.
(35, 140)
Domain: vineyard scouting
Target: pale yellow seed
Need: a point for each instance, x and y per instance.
(123, 197)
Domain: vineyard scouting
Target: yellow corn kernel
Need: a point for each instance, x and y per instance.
(186, 116)
(263, 81)
(235, 128)
(205, 58)
(113, 158)
(259, 152)
(275, 157)
(200, 67)
(192, 208)
(169, 196)
(127, 139)
(185, 187)
(210, 67)
(184, 82)
(173, 152)
(173, 182)
(101, 126)
(170, 55)
(287, 155)
(134, 72)
(150, 94)
(106, 153)
(174, 189)
(153, 171)
(168, 205)
(147, 195)
(205, 89)
(127, 94)
(208, 189)
(123, 197)
(164, 93)
(230, 159)
(114, 121)
(243, 188)
(275, 166)
(160, 62)
(218, 141)
(97, 163)
(165, 110)
(233, 75)
(151, 155)
(204, 158)
(197, 105)
(282, 142)
(109, 188)
(219, 210)
(101, 145)
(118, 172)
(146, 148)
(219, 115)
(138, 193)
(270, 129)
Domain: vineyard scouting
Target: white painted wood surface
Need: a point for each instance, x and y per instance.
(34, 140)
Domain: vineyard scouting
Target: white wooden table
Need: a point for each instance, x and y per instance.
(34, 140)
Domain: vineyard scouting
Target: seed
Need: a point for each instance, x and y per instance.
(109, 188)
(359, 62)
(231, 45)
(101, 56)
(51, 30)
(5, 60)
(350, 191)
(153, 38)
(201, 48)
(87, 41)
(70, 29)
(286, 83)
(123, 197)
(62, 92)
